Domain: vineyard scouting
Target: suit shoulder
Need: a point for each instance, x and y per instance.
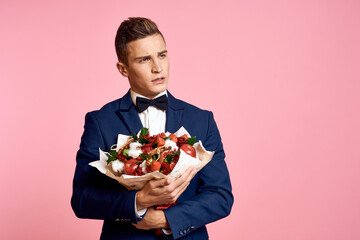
(190, 107)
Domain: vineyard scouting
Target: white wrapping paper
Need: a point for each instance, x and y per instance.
(138, 182)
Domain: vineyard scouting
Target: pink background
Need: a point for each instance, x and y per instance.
(282, 78)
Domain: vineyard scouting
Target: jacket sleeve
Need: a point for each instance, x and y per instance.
(95, 195)
(214, 199)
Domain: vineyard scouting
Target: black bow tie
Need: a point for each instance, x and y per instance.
(143, 103)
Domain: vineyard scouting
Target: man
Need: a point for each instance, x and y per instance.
(202, 197)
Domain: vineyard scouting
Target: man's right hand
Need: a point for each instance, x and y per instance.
(163, 191)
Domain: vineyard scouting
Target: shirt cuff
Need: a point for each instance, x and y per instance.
(141, 213)
(166, 231)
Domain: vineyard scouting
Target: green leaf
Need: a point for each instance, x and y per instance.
(126, 150)
(144, 156)
(144, 131)
(134, 136)
(111, 156)
(155, 156)
(166, 138)
(113, 153)
(169, 158)
(191, 140)
(143, 140)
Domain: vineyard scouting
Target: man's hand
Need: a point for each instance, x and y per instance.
(163, 191)
(153, 219)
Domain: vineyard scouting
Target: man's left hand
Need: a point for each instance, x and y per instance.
(153, 219)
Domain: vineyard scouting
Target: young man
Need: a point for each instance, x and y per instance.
(203, 197)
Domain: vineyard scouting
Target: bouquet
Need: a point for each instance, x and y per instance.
(138, 158)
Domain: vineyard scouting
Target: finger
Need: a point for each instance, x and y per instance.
(160, 182)
(183, 178)
(182, 188)
(188, 170)
(138, 226)
(186, 182)
(186, 174)
(157, 187)
(193, 173)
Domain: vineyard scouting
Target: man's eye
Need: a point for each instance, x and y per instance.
(163, 55)
(144, 59)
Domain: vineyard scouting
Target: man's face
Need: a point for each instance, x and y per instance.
(148, 66)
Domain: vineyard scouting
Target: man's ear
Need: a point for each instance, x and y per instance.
(122, 69)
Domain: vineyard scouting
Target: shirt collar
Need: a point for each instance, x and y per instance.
(134, 95)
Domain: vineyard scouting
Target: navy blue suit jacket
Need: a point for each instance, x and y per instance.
(96, 196)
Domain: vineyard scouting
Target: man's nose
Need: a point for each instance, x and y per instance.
(156, 67)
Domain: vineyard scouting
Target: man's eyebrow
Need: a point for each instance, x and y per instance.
(142, 57)
(148, 56)
(165, 51)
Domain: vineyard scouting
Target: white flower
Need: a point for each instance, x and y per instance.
(172, 144)
(143, 167)
(117, 166)
(134, 150)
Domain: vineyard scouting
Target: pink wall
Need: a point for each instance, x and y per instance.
(282, 77)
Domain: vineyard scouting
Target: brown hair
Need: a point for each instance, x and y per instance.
(132, 29)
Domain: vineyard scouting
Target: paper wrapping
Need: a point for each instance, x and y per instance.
(137, 182)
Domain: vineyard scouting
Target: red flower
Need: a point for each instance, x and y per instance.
(146, 148)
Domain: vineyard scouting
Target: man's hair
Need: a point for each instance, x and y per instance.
(132, 29)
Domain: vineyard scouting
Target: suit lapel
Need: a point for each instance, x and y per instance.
(129, 115)
(174, 115)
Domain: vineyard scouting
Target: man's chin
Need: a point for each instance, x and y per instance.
(154, 93)
(159, 88)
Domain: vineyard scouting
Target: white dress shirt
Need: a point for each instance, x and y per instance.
(154, 119)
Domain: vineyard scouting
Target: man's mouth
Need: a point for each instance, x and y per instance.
(158, 80)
